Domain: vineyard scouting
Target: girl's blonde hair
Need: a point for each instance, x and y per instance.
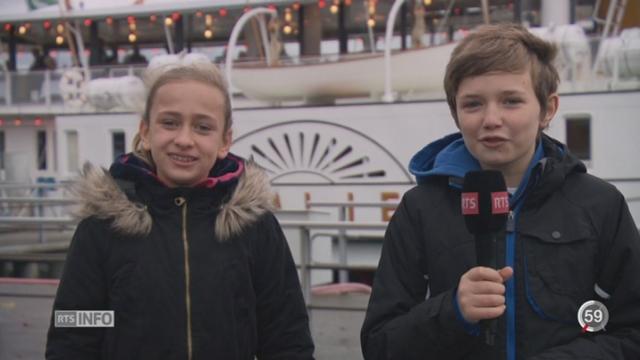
(170, 68)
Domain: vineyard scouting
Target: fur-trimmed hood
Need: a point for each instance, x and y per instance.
(100, 195)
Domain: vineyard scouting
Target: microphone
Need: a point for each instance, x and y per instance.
(485, 206)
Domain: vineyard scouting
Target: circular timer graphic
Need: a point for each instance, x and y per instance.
(593, 316)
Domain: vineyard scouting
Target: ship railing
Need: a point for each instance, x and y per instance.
(19, 206)
(34, 253)
(309, 231)
(345, 213)
(306, 265)
(43, 87)
(33, 202)
(18, 199)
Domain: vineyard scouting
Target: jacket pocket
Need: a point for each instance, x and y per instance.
(560, 269)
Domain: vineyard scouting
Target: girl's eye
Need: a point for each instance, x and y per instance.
(203, 128)
(169, 123)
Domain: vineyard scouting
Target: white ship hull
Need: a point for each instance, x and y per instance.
(381, 137)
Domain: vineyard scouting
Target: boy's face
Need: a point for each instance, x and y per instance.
(186, 132)
(500, 118)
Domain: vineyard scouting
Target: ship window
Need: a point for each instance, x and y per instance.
(42, 150)
(579, 136)
(118, 141)
(73, 162)
(2, 149)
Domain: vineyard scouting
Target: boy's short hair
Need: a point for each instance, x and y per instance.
(507, 48)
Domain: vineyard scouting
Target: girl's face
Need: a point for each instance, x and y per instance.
(185, 133)
(500, 119)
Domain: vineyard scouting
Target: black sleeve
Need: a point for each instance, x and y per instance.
(619, 288)
(82, 287)
(400, 323)
(282, 320)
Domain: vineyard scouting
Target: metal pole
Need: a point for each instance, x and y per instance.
(605, 34)
(82, 57)
(388, 95)
(95, 44)
(7, 88)
(47, 87)
(265, 38)
(619, 16)
(301, 29)
(305, 261)
(403, 26)
(13, 49)
(610, 13)
(572, 11)
(39, 214)
(343, 37)
(167, 34)
(343, 275)
(233, 39)
(517, 11)
(445, 19)
(179, 26)
(372, 41)
(485, 12)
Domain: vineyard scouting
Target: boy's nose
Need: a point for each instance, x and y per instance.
(492, 116)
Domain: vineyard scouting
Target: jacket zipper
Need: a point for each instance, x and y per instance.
(182, 202)
(511, 222)
(510, 286)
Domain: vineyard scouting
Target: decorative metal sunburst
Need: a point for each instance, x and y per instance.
(313, 151)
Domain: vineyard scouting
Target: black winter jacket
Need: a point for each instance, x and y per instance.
(198, 273)
(575, 241)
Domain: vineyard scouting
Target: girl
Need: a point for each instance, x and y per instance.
(179, 241)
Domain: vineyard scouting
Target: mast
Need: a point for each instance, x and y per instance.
(555, 12)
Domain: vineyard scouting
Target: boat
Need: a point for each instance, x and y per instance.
(319, 80)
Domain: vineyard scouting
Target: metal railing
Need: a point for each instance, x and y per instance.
(42, 87)
(306, 265)
(20, 203)
(38, 201)
(343, 208)
(308, 231)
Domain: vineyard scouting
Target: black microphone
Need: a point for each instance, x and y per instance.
(485, 206)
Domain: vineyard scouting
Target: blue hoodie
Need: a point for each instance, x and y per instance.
(450, 157)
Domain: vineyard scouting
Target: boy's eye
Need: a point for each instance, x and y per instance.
(471, 104)
(512, 101)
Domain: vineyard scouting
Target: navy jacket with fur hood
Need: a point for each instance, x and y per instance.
(191, 273)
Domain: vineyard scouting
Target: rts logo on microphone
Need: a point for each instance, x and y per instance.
(499, 203)
(470, 204)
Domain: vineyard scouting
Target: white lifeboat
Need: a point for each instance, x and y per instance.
(415, 71)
